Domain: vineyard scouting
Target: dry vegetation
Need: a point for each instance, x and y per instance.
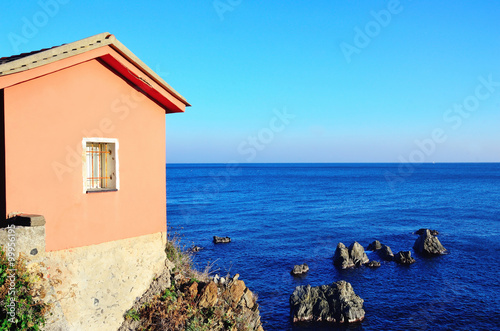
(183, 299)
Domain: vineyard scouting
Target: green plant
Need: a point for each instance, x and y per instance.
(196, 323)
(133, 315)
(169, 294)
(21, 300)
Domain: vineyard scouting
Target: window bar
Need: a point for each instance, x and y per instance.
(106, 165)
(92, 160)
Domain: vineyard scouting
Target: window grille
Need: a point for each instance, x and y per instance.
(97, 165)
(100, 171)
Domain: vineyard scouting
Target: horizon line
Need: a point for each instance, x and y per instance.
(444, 162)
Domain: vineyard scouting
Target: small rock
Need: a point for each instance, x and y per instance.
(422, 231)
(428, 244)
(169, 264)
(192, 290)
(373, 264)
(221, 240)
(385, 253)
(195, 249)
(374, 246)
(300, 269)
(404, 258)
(179, 278)
(249, 299)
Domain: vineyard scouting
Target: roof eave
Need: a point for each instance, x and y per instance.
(131, 57)
(78, 47)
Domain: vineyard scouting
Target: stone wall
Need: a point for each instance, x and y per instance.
(26, 233)
(93, 286)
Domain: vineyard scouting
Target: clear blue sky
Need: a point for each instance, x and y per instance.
(363, 80)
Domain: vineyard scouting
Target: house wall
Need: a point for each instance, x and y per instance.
(45, 121)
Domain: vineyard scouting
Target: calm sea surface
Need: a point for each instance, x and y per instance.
(279, 215)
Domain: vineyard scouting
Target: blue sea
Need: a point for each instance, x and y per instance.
(278, 215)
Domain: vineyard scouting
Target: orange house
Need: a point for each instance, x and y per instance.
(83, 141)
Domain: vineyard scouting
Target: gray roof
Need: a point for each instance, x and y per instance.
(26, 61)
(8, 59)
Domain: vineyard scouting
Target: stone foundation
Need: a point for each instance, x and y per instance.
(92, 287)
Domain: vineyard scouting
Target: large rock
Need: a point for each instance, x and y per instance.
(236, 291)
(221, 240)
(341, 257)
(208, 297)
(335, 303)
(243, 303)
(428, 244)
(300, 269)
(404, 258)
(349, 257)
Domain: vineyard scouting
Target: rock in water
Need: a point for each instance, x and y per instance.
(357, 254)
(300, 269)
(341, 257)
(373, 264)
(404, 258)
(428, 244)
(221, 240)
(195, 249)
(385, 253)
(374, 246)
(336, 303)
(422, 231)
(349, 257)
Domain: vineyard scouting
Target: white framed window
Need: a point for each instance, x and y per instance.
(100, 166)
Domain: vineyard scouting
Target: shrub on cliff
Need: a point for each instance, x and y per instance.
(182, 298)
(21, 300)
